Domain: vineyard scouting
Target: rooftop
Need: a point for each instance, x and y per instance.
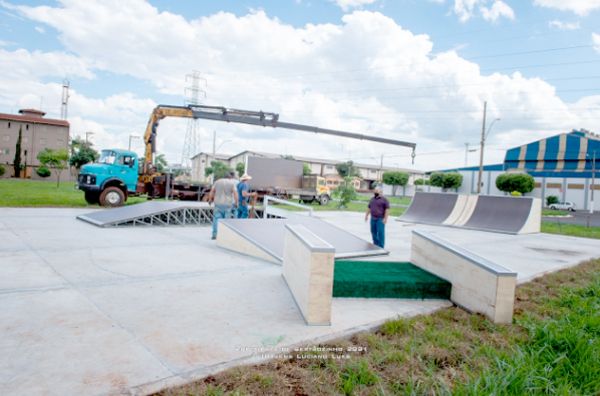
(33, 116)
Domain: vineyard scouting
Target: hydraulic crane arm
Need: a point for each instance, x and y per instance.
(261, 118)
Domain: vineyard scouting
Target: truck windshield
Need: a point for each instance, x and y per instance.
(107, 157)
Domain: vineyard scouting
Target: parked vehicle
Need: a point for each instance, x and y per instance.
(570, 206)
(284, 179)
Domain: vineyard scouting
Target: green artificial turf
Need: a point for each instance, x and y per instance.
(384, 279)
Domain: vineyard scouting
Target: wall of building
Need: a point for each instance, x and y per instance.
(34, 138)
(573, 189)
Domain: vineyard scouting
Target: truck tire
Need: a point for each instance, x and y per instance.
(92, 197)
(324, 199)
(112, 197)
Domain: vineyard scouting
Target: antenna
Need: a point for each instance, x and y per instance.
(191, 143)
(65, 100)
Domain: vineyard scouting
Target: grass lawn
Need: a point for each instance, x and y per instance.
(576, 230)
(392, 200)
(352, 207)
(42, 193)
(553, 347)
(551, 212)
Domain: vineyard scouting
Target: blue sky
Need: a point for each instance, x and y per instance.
(415, 70)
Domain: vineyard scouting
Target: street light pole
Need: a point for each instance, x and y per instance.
(482, 144)
(130, 137)
(86, 137)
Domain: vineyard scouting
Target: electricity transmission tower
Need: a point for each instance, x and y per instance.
(191, 143)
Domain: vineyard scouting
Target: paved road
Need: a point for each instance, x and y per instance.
(580, 218)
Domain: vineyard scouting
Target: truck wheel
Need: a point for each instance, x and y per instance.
(323, 200)
(92, 197)
(112, 197)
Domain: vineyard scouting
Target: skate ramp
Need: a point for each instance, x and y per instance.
(512, 215)
(151, 214)
(430, 208)
(264, 238)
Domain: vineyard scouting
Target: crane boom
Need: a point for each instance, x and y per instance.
(265, 119)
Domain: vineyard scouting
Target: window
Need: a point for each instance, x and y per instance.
(27, 127)
(9, 124)
(5, 151)
(329, 167)
(126, 160)
(107, 157)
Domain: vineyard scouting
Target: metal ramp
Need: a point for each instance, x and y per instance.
(152, 214)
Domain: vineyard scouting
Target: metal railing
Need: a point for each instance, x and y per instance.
(277, 212)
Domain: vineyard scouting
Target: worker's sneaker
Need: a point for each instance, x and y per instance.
(213, 237)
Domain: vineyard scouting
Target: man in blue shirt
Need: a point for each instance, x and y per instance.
(379, 209)
(244, 195)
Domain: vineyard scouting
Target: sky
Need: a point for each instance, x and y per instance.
(414, 70)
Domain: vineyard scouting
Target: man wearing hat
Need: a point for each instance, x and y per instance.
(244, 195)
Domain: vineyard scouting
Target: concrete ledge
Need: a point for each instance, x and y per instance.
(478, 285)
(308, 263)
(533, 224)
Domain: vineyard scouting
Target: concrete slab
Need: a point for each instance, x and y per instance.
(88, 310)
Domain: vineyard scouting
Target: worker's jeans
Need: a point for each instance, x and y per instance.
(220, 212)
(242, 212)
(378, 231)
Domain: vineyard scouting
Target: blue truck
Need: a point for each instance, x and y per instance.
(111, 179)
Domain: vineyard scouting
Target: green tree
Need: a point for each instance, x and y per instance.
(345, 192)
(521, 182)
(346, 169)
(160, 162)
(551, 199)
(306, 170)
(17, 159)
(421, 182)
(450, 180)
(55, 160)
(81, 153)
(218, 169)
(240, 169)
(2, 170)
(395, 179)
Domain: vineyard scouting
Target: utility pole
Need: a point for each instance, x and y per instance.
(132, 137)
(86, 137)
(214, 144)
(466, 154)
(481, 149)
(593, 180)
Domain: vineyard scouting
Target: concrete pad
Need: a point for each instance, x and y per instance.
(88, 310)
(101, 311)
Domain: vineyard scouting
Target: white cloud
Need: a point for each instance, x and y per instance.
(40, 29)
(347, 5)
(365, 74)
(467, 9)
(497, 10)
(579, 7)
(596, 41)
(560, 25)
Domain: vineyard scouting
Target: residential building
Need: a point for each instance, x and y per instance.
(368, 173)
(37, 134)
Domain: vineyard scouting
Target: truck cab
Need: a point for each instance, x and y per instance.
(111, 179)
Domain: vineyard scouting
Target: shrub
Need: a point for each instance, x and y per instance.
(42, 171)
(421, 182)
(2, 170)
(551, 199)
(520, 182)
(446, 180)
(515, 194)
